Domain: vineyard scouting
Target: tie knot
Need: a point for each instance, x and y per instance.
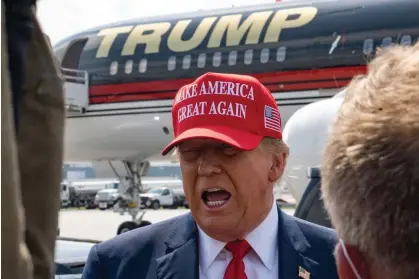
(238, 248)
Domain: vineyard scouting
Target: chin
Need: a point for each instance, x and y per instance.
(222, 233)
(214, 225)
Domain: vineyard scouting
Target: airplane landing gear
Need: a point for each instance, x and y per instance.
(129, 201)
(131, 225)
(126, 226)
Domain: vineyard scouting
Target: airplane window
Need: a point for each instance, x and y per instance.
(201, 60)
(406, 40)
(368, 46)
(186, 62)
(216, 59)
(264, 55)
(128, 67)
(113, 69)
(280, 54)
(248, 56)
(232, 58)
(142, 67)
(386, 42)
(171, 64)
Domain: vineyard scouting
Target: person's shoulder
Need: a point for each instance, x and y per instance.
(317, 235)
(321, 244)
(315, 229)
(146, 238)
(120, 256)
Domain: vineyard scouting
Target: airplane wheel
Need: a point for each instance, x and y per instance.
(126, 226)
(144, 223)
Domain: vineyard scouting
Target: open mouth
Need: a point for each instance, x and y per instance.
(215, 197)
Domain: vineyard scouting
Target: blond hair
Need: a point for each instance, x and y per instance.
(370, 170)
(278, 146)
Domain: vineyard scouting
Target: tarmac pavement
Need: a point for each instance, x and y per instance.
(102, 225)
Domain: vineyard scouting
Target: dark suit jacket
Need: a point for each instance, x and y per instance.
(169, 249)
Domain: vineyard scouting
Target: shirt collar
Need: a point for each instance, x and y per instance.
(263, 239)
(209, 248)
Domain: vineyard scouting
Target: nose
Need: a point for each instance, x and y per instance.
(208, 163)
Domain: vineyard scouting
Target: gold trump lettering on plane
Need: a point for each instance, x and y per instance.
(151, 34)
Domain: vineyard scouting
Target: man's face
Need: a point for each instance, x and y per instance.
(229, 191)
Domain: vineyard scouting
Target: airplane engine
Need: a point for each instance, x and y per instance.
(306, 133)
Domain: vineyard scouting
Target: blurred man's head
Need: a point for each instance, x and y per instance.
(370, 173)
(228, 138)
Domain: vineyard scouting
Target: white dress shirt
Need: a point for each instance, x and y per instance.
(260, 262)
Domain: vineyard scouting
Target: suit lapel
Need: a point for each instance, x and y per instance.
(292, 246)
(181, 259)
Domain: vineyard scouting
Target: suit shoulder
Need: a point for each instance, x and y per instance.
(136, 240)
(322, 242)
(316, 234)
(132, 254)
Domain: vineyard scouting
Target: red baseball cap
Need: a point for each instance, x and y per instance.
(235, 109)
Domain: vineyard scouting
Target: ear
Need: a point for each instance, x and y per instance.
(358, 259)
(277, 167)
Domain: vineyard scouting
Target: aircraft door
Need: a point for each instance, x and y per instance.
(311, 207)
(72, 54)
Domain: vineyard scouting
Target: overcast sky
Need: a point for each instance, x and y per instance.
(62, 18)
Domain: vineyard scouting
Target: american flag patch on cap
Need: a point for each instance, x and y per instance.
(272, 119)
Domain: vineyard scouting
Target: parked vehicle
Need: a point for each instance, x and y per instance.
(65, 195)
(106, 198)
(163, 196)
(70, 257)
(82, 192)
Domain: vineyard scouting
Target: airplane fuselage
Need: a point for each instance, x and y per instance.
(302, 51)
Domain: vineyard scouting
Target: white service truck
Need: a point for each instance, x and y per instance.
(106, 198)
(85, 190)
(163, 196)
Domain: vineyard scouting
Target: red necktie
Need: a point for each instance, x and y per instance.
(235, 269)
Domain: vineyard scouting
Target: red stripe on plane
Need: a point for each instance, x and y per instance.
(137, 87)
(265, 78)
(132, 97)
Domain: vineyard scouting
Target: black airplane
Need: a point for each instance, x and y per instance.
(289, 46)
(122, 77)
